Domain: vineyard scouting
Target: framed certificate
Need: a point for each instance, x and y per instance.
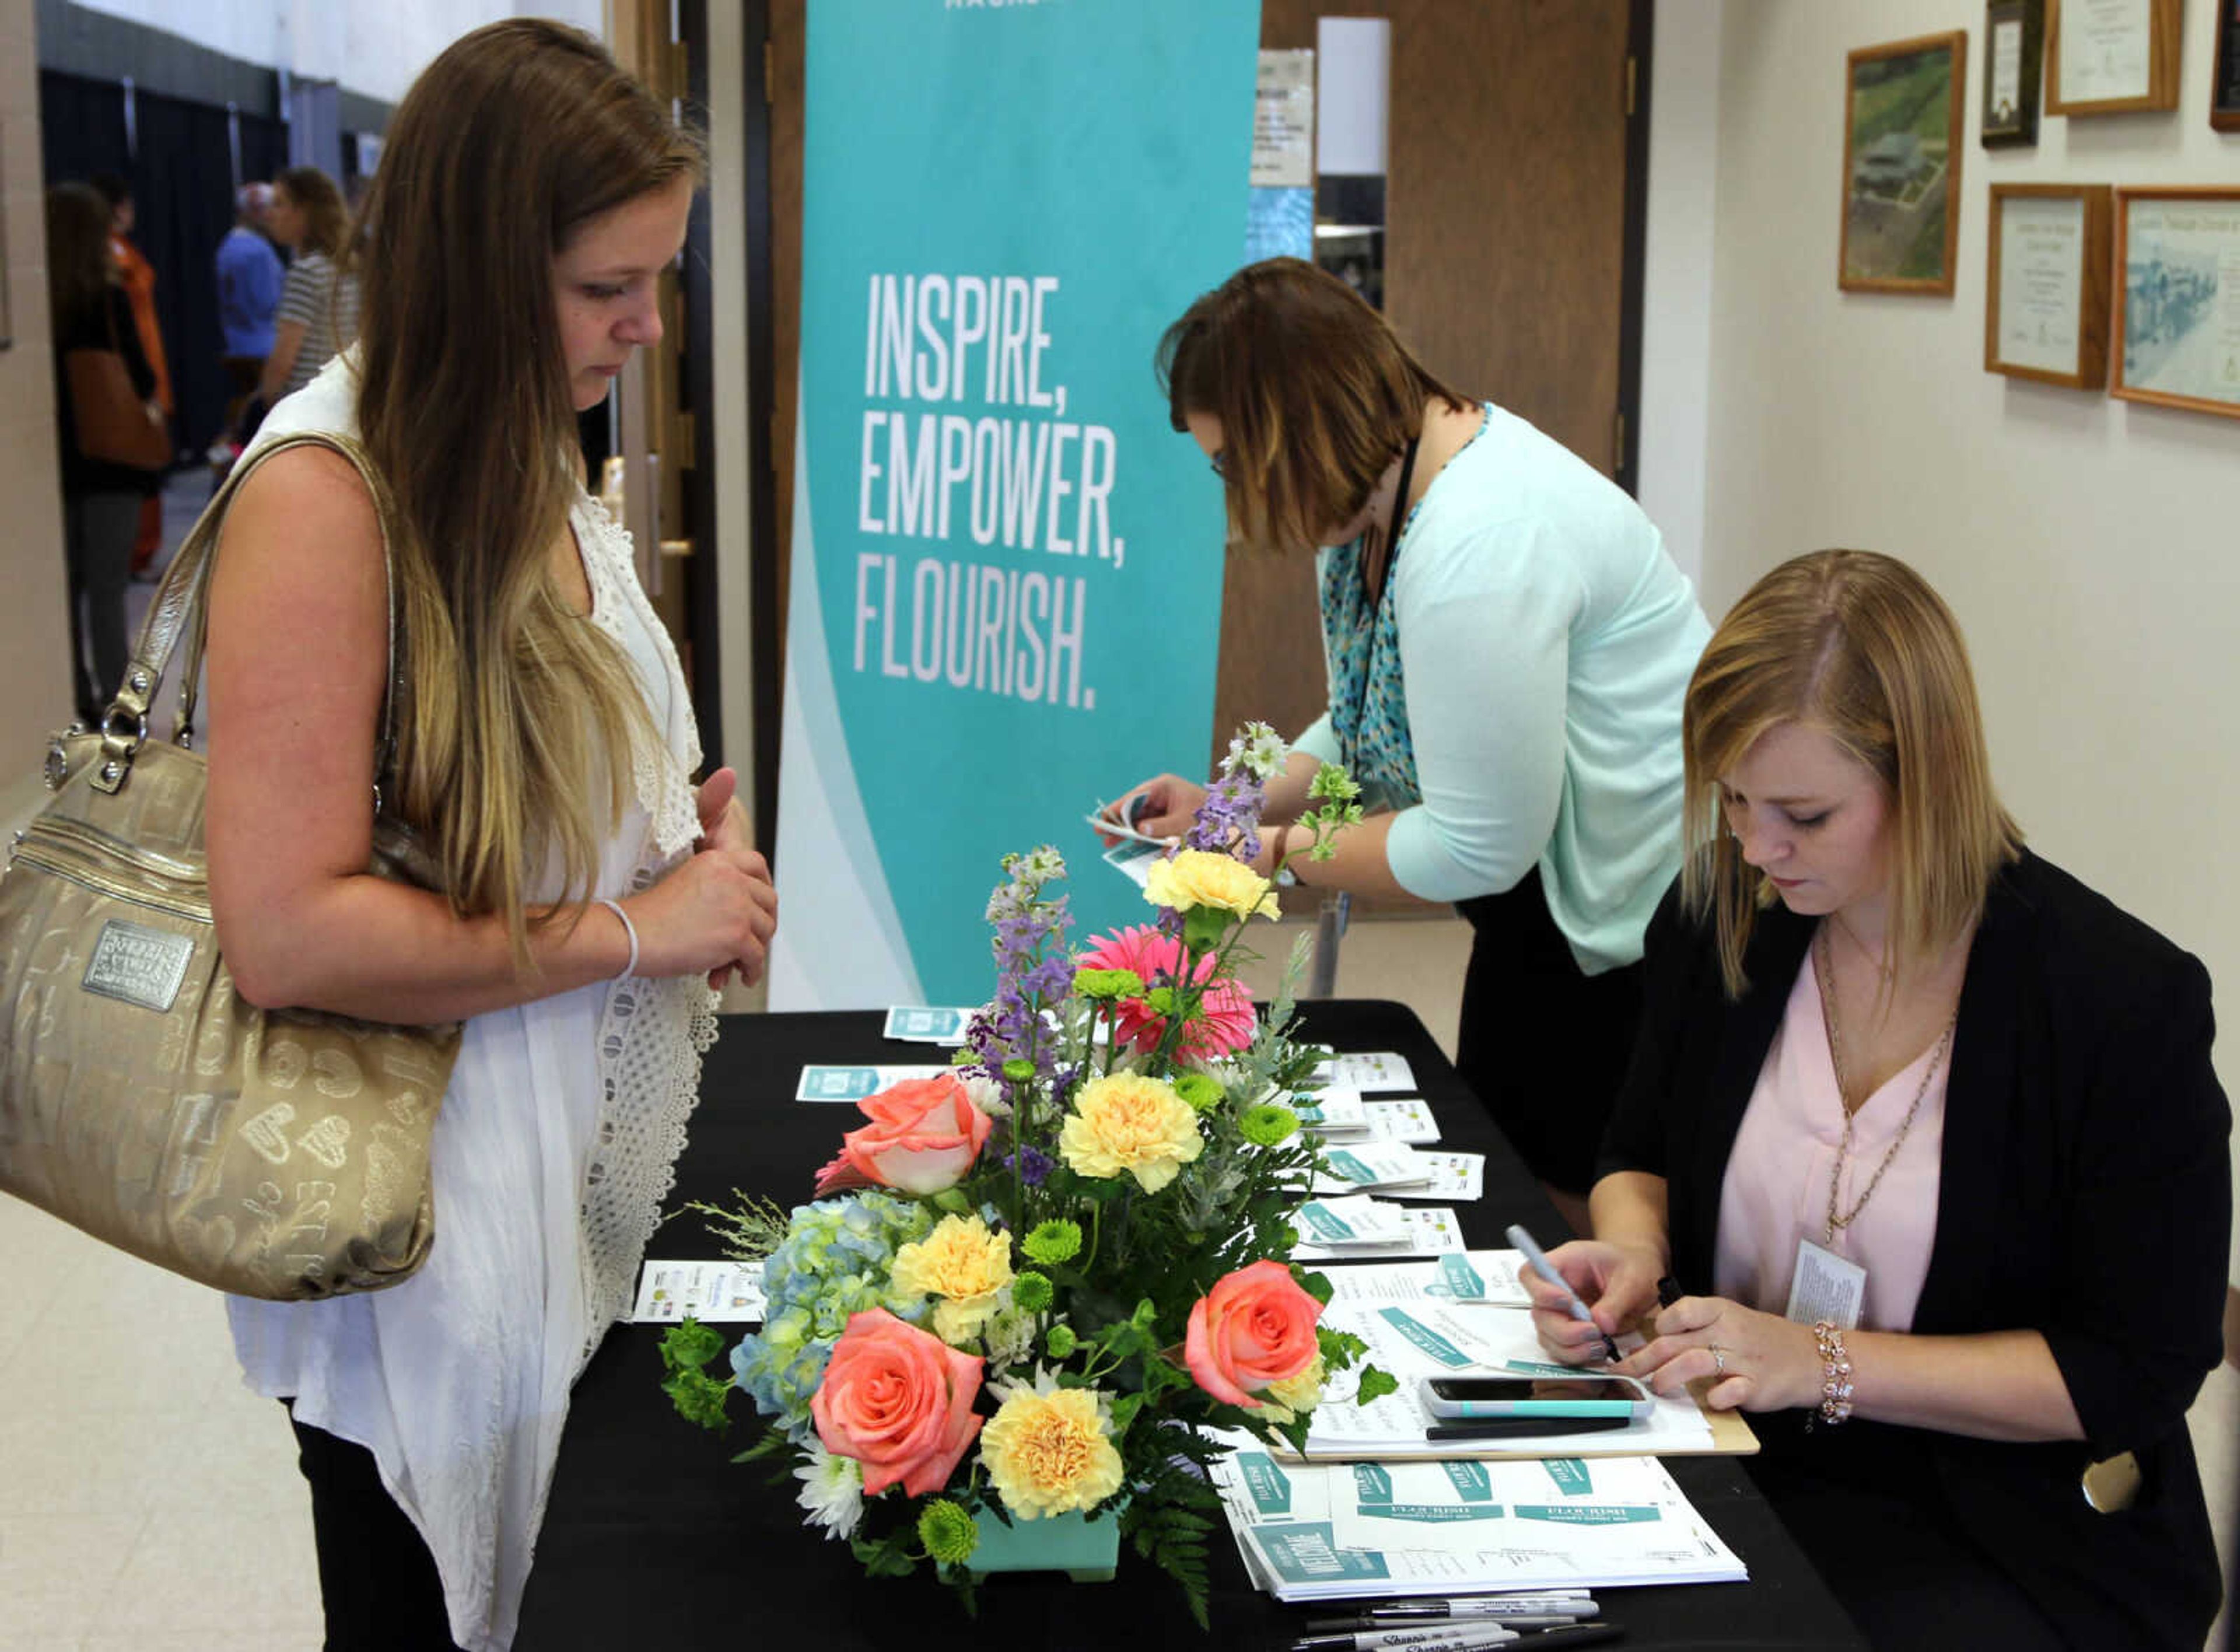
(2014, 49)
(2224, 89)
(2111, 56)
(2046, 309)
(1904, 124)
(2178, 298)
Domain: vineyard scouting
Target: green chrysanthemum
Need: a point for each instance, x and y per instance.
(1018, 1070)
(1051, 1242)
(1061, 1342)
(1202, 1092)
(1104, 985)
(948, 1533)
(1032, 1292)
(1267, 1124)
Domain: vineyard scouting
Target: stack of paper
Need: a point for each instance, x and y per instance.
(1359, 1228)
(1419, 1320)
(1339, 1114)
(1400, 1171)
(714, 1292)
(854, 1083)
(1345, 1530)
(1379, 1070)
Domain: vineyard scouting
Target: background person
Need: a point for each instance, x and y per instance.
(1879, 1026)
(318, 313)
(528, 197)
(249, 281)
(137, 276)
(101, 501)
(1506, 643)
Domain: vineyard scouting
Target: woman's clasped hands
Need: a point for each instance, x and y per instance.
(1756, 1361)
(716, 911)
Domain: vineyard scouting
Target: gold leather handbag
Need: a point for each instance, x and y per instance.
(280, 1154)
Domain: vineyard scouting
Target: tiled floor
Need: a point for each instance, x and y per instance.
(148, 1502)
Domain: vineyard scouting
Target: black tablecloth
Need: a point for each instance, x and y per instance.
(654, 1537)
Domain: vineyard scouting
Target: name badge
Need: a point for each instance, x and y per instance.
(1825, 1286)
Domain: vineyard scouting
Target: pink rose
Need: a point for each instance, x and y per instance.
(924, 1136)
(1254, 1327)
(1223, 1023)
(899, 1400)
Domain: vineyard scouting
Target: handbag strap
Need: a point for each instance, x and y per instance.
(181, 608)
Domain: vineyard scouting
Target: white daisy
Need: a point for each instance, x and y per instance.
(831, 1490)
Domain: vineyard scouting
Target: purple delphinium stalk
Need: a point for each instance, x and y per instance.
(1228, 821)
(1033, 1165)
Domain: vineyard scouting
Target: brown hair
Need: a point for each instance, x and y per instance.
(505, 147)
(326, 220)
(1858, 646)
(77, 255)
(1314, 390)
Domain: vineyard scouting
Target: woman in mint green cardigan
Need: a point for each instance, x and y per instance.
(1507, 643)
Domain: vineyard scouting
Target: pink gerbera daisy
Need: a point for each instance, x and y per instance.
(1224, 1021)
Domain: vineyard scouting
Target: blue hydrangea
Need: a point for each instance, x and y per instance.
(834, 1263)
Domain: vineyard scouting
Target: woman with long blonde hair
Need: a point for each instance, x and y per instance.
(590, 899)
(1925, 1135)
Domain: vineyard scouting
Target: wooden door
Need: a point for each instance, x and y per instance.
(1507, 246)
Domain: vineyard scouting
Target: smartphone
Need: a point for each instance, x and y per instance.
(1588, 1394)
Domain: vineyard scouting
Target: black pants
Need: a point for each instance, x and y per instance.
(377, 1579)
(1543, 1044)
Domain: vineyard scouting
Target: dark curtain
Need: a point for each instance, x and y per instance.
(182, 188)
(81, 128)
(264, 149)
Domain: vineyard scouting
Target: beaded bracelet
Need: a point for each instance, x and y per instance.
(1835, 1374)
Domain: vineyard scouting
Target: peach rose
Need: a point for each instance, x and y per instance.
(924, 1137)
(1255, 1326)
(899, 1400)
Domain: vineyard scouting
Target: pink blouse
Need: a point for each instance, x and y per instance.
(1775, 1189)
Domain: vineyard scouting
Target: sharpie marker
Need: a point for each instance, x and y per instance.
(1443, 1638)
(1537, 1259)
(1538, 1618)
(1577, 1603)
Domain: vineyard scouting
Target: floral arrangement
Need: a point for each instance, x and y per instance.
(1028, 1286)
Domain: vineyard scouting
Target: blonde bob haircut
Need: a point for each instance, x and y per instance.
(1315, 393)
(1857, 646)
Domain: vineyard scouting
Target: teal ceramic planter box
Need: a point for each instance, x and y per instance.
(1085, 1550)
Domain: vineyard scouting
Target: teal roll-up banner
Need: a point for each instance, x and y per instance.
(1006, 571)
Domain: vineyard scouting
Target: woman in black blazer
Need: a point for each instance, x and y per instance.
(1985, 1441)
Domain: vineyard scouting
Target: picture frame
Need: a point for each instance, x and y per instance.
(1904, 129)
(2177, 280)
(2014, 55)
(2111, 56)
(2224, 85)
(2046, 297)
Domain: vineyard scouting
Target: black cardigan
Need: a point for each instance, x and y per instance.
(2086, 1193)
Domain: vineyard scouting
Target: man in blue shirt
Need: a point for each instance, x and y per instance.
(249, 277)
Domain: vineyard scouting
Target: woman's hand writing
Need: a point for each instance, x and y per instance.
(1617, 1284)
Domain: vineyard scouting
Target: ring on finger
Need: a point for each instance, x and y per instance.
(1719, 1360)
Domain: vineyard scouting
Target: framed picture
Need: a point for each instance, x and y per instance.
(2045, 306)
(2224, 89)
(2111, 56)
(1903, 124)
(2178, 298)
(2014, 35)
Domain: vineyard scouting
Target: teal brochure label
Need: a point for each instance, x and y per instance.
(1570, 1475)
(1471, 1481)
(1424, 1337)
(1269, 1487)
(1327, 1223)
(1458, 1279)
(1308, 1554)
(1437, 1514)
(1586, 1514)
(1006, 569)
(1343, 1163)
(1372, 1486)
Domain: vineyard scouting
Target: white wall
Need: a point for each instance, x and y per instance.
(2088, 545)
(370, 46)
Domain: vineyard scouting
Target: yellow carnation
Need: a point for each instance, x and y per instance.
(1200, 877)
(1281, 1401)
(964, 1265)
(1049, 1452)
(1126, 1122)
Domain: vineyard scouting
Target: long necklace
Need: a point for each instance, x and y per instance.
(1822, 954)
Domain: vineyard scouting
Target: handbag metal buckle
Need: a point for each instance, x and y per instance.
(118, 746)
